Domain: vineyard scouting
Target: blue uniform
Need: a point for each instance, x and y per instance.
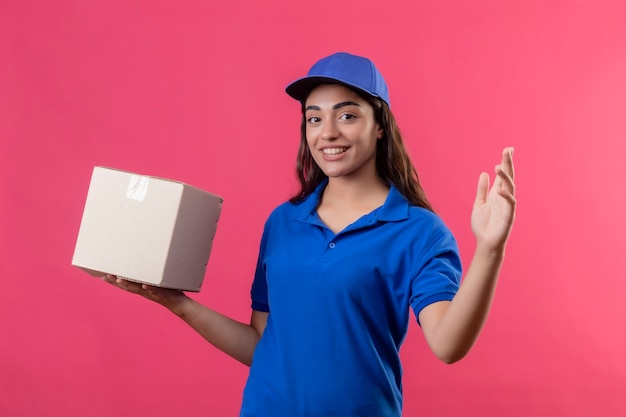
(339, 307)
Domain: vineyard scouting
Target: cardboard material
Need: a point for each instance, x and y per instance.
(146, 229)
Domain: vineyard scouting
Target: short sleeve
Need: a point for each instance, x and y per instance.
(259, 294)
(437, 274)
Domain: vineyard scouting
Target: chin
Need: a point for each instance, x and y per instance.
(334, 173)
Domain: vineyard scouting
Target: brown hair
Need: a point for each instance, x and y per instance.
(393, 163)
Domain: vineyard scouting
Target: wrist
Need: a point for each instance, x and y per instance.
(181, 305)
(489, 253)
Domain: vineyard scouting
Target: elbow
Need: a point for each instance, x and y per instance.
(243, 358)
(450, 359)
(450, 350)
(451, 356)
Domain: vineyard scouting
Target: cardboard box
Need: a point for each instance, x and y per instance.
(146, 229)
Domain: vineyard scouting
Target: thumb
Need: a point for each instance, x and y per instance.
(482, 190)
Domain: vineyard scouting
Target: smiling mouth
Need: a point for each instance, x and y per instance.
(334, 151)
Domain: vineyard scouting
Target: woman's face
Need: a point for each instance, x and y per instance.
(341, 131)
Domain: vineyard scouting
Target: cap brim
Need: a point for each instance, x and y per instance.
(301, 88)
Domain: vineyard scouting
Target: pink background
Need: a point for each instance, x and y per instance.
(193, 91)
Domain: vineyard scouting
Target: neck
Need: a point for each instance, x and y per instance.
(344, 191)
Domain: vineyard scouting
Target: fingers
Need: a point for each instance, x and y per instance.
(505, 177)
(124, 284)
(109, 278)
(505, 187)
(482, 189)
(160, 295)
(507, 162)
(505, 173)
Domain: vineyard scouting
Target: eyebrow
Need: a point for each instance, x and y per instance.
(335, 107)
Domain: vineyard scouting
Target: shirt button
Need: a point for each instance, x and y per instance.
(331, 245)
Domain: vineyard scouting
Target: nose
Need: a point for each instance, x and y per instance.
(329, 130)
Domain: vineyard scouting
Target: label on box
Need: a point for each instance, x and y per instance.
(137, 187)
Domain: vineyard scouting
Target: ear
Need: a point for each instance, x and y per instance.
(380, 133)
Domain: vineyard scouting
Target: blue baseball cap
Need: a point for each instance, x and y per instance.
(350, 70)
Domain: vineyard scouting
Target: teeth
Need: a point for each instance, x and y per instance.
(334, 151)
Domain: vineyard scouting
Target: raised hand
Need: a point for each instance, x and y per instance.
(494, 209)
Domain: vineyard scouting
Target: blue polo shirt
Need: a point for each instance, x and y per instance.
(339, 307)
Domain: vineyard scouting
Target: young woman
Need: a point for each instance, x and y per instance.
(343, 262)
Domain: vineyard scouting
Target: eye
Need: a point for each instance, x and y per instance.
(347, 116)
(313, 119)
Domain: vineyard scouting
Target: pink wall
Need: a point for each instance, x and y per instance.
(194, 91)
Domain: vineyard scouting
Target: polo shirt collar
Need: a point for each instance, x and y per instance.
(395, 208)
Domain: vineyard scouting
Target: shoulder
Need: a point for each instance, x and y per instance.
(284, 214)
(283, 210)
(430, 227)
(416, 224)
(295, 210)
(424, 216)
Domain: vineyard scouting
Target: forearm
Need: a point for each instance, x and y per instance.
(234, 338)
(451, 327)
(460, 322)
(230, 336)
